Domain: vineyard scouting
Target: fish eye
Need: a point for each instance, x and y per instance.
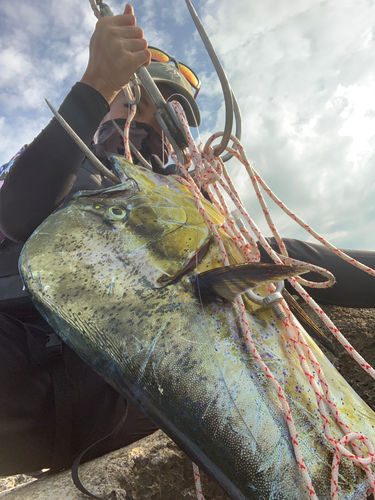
(97, 207)
(117, 212)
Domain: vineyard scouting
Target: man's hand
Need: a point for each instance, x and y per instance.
(117, 50)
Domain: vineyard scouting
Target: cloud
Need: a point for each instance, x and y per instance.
(14, 65)
(38, 53)
(302, 74)
(43, 51)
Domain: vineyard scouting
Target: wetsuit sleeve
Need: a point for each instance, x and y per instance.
(353, 287)
(45, 172)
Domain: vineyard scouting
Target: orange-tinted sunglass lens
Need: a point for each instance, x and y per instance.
(189, 75)
(158, 55)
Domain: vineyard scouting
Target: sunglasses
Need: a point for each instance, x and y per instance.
(161, 56)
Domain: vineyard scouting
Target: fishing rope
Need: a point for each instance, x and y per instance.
(326, 399)
(197, 481)
(95, 9)
(131, 113)
(210, 171)
(247, 334)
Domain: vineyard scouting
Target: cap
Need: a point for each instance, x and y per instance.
(169, 75)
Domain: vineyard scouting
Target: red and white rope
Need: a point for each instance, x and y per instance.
(132, 108)
(197, 481)
(95, 9)
(324, 400)
(211, 172)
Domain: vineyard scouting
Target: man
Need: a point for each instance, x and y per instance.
(52, 405)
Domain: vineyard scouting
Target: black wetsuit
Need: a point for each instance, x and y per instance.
(52, 405)
(353, 287)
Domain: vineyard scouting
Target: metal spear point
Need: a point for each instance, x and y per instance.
(90, 155)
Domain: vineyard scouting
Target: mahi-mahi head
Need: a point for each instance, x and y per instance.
(113, 272)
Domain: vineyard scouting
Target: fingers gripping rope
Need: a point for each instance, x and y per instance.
(210, 172)
(102, 11)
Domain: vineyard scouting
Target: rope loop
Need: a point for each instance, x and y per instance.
(133, 84)
(348, 438)
(361, 461)
(208, 149)
(331, 280)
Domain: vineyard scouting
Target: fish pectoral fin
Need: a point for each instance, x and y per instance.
(230, 281)
(307, 323)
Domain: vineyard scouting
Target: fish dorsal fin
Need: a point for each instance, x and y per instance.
(230, 281)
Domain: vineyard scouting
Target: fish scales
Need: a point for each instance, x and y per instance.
(106, 271)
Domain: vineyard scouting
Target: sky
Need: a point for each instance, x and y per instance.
(303, 74)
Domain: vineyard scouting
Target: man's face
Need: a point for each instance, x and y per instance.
(145, 108)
